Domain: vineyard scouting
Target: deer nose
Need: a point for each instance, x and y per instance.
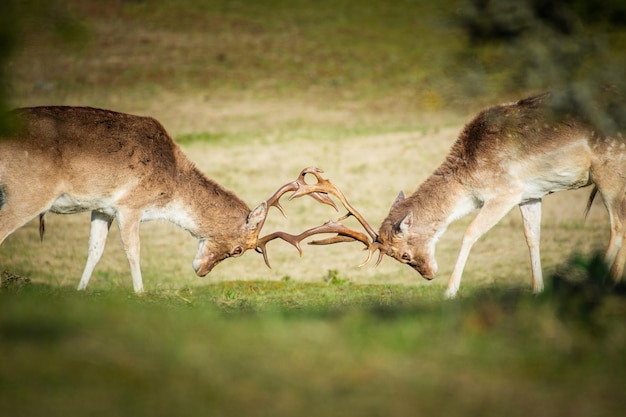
(202, 266)
(426, 271)
(428, 276)
(429, 272)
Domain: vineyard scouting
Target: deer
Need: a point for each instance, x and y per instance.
(509, 155)
(123, 167)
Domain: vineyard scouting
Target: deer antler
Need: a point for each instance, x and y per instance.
(320, 191)
(298, 185)
(344, 234)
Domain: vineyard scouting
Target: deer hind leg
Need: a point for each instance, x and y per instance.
(617, 263)
(615, 205)
(100, 225)
(16, 211)
(491, 213)
(531, 216)
(128, 222)
(9, 223)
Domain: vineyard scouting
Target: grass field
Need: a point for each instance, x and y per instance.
(371, 92)
(288, 348)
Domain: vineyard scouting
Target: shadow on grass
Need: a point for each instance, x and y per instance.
(580, 295)
(577, 291)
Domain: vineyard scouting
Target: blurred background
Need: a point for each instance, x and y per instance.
(396, 59)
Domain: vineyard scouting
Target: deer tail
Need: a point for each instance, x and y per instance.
(42, 225)
(3, 196)
(592, 196)
(534, 100)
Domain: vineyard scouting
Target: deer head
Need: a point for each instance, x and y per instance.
(399, 238)
(213, 251)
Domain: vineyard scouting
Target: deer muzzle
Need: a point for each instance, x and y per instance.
(205, 259)
(202, 267)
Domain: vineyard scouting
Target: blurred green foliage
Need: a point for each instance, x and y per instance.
(19, 19)
(8, 41)
(568, 47)
(398, 55)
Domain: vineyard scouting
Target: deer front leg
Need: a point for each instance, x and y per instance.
(491, 213)
(531, 216)
(128, 223)
(100, 225)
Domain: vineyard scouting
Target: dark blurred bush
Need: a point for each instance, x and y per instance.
(19, 20)
(571, 48)
(581, 288)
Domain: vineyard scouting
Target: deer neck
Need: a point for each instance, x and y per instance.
(439, 201)
(199, 205)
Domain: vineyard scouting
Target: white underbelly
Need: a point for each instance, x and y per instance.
(556, 181)
(69, 204)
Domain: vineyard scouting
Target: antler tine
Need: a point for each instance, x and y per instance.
(375, 246)
(344, 234)
(274, 200)
(262, 242)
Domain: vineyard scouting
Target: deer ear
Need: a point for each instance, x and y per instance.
(400, 198)
(256, 216)
(405, 224)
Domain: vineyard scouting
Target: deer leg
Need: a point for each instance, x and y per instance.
(491, 213)
(616, 219)
(615, 240)
(617, 268)
(128, 223)
(100, 224)
(15, 214)
(10, 223)
(531, 216)
(617, 263)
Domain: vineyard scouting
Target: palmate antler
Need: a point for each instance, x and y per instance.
(320, 191)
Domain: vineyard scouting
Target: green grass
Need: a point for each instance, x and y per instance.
(277, 47)
(288, 348)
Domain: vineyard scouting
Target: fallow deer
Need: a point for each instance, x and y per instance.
(122, 167)
(508, 155)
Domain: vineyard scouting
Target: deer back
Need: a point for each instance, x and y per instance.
(95, 151)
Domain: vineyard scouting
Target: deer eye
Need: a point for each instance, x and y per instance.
(237, 251)
(406, 257)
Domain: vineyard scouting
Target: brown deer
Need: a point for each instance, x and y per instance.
(508, 155)
(122, 167)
